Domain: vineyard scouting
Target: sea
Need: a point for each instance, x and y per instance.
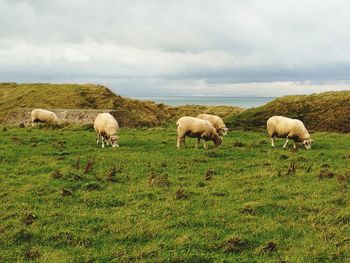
(243, 102)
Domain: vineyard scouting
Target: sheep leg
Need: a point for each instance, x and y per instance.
(205, 145)
(198, 142)
(285, 145)
(179, 141)
(103, 143)
(98, 139)
(294, 145)
(272, 142)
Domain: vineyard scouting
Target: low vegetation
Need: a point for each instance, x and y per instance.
(64, 199)
(132, 113)
(329, 111)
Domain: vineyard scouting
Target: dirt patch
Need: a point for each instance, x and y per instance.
(32, 254)
(209, 174)
(291, 168)
(56, 174)
(325, 173)
(284, 157)
(180, 194)
(66, 192)
(29, 219)
(325, 165)
(270, 247)
(111, 175)
(91, 186)
(344, 178)
(247, 210)
(235, 245)
(15, 140)
(89, 166)
(308, 170)
(158, 180)
(218, 194)
(238, 144)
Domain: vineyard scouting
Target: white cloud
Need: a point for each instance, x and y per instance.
(150, 46)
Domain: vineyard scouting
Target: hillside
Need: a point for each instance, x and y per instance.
(329, 111)
(89, 96)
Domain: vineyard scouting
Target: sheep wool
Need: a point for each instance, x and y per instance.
(106, 127)
(43, 116)
(217, 122)
(283, 127)
(196, 128)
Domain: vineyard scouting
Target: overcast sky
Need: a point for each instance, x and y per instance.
(182, 47)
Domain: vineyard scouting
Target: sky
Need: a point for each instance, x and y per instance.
(182, 47)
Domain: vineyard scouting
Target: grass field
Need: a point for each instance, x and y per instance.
(64, 199)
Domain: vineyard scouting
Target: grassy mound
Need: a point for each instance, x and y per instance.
(329, 111)
(89, 96)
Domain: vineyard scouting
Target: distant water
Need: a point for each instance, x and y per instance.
(243, 102)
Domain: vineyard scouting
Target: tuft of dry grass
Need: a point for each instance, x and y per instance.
(158, 180)
(180, 194)
(235, 245)
(89, 166)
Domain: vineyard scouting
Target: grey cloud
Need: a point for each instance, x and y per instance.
(131, 42)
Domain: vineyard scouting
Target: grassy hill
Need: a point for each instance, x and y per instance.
(64, 199)
(90, 96)
(329, 111)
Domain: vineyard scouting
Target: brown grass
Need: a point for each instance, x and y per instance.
(327, 111)
(128, 112)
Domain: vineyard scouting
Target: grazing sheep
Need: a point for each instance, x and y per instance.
(106, 127)
(44, 116)
(196, 128)
(282, 127)
(217, 122)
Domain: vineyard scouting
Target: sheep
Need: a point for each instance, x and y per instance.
(196, 128)
(217, 122)
(106, 127)
(45, 116)
(282, 127)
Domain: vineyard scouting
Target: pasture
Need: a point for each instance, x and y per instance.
(64, 199)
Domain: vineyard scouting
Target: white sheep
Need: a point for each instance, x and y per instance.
(106, 127)
(196, 128)
(44, 116)
(282, 127)
(217, 122)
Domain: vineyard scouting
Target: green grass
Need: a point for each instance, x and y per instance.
(150, 202)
